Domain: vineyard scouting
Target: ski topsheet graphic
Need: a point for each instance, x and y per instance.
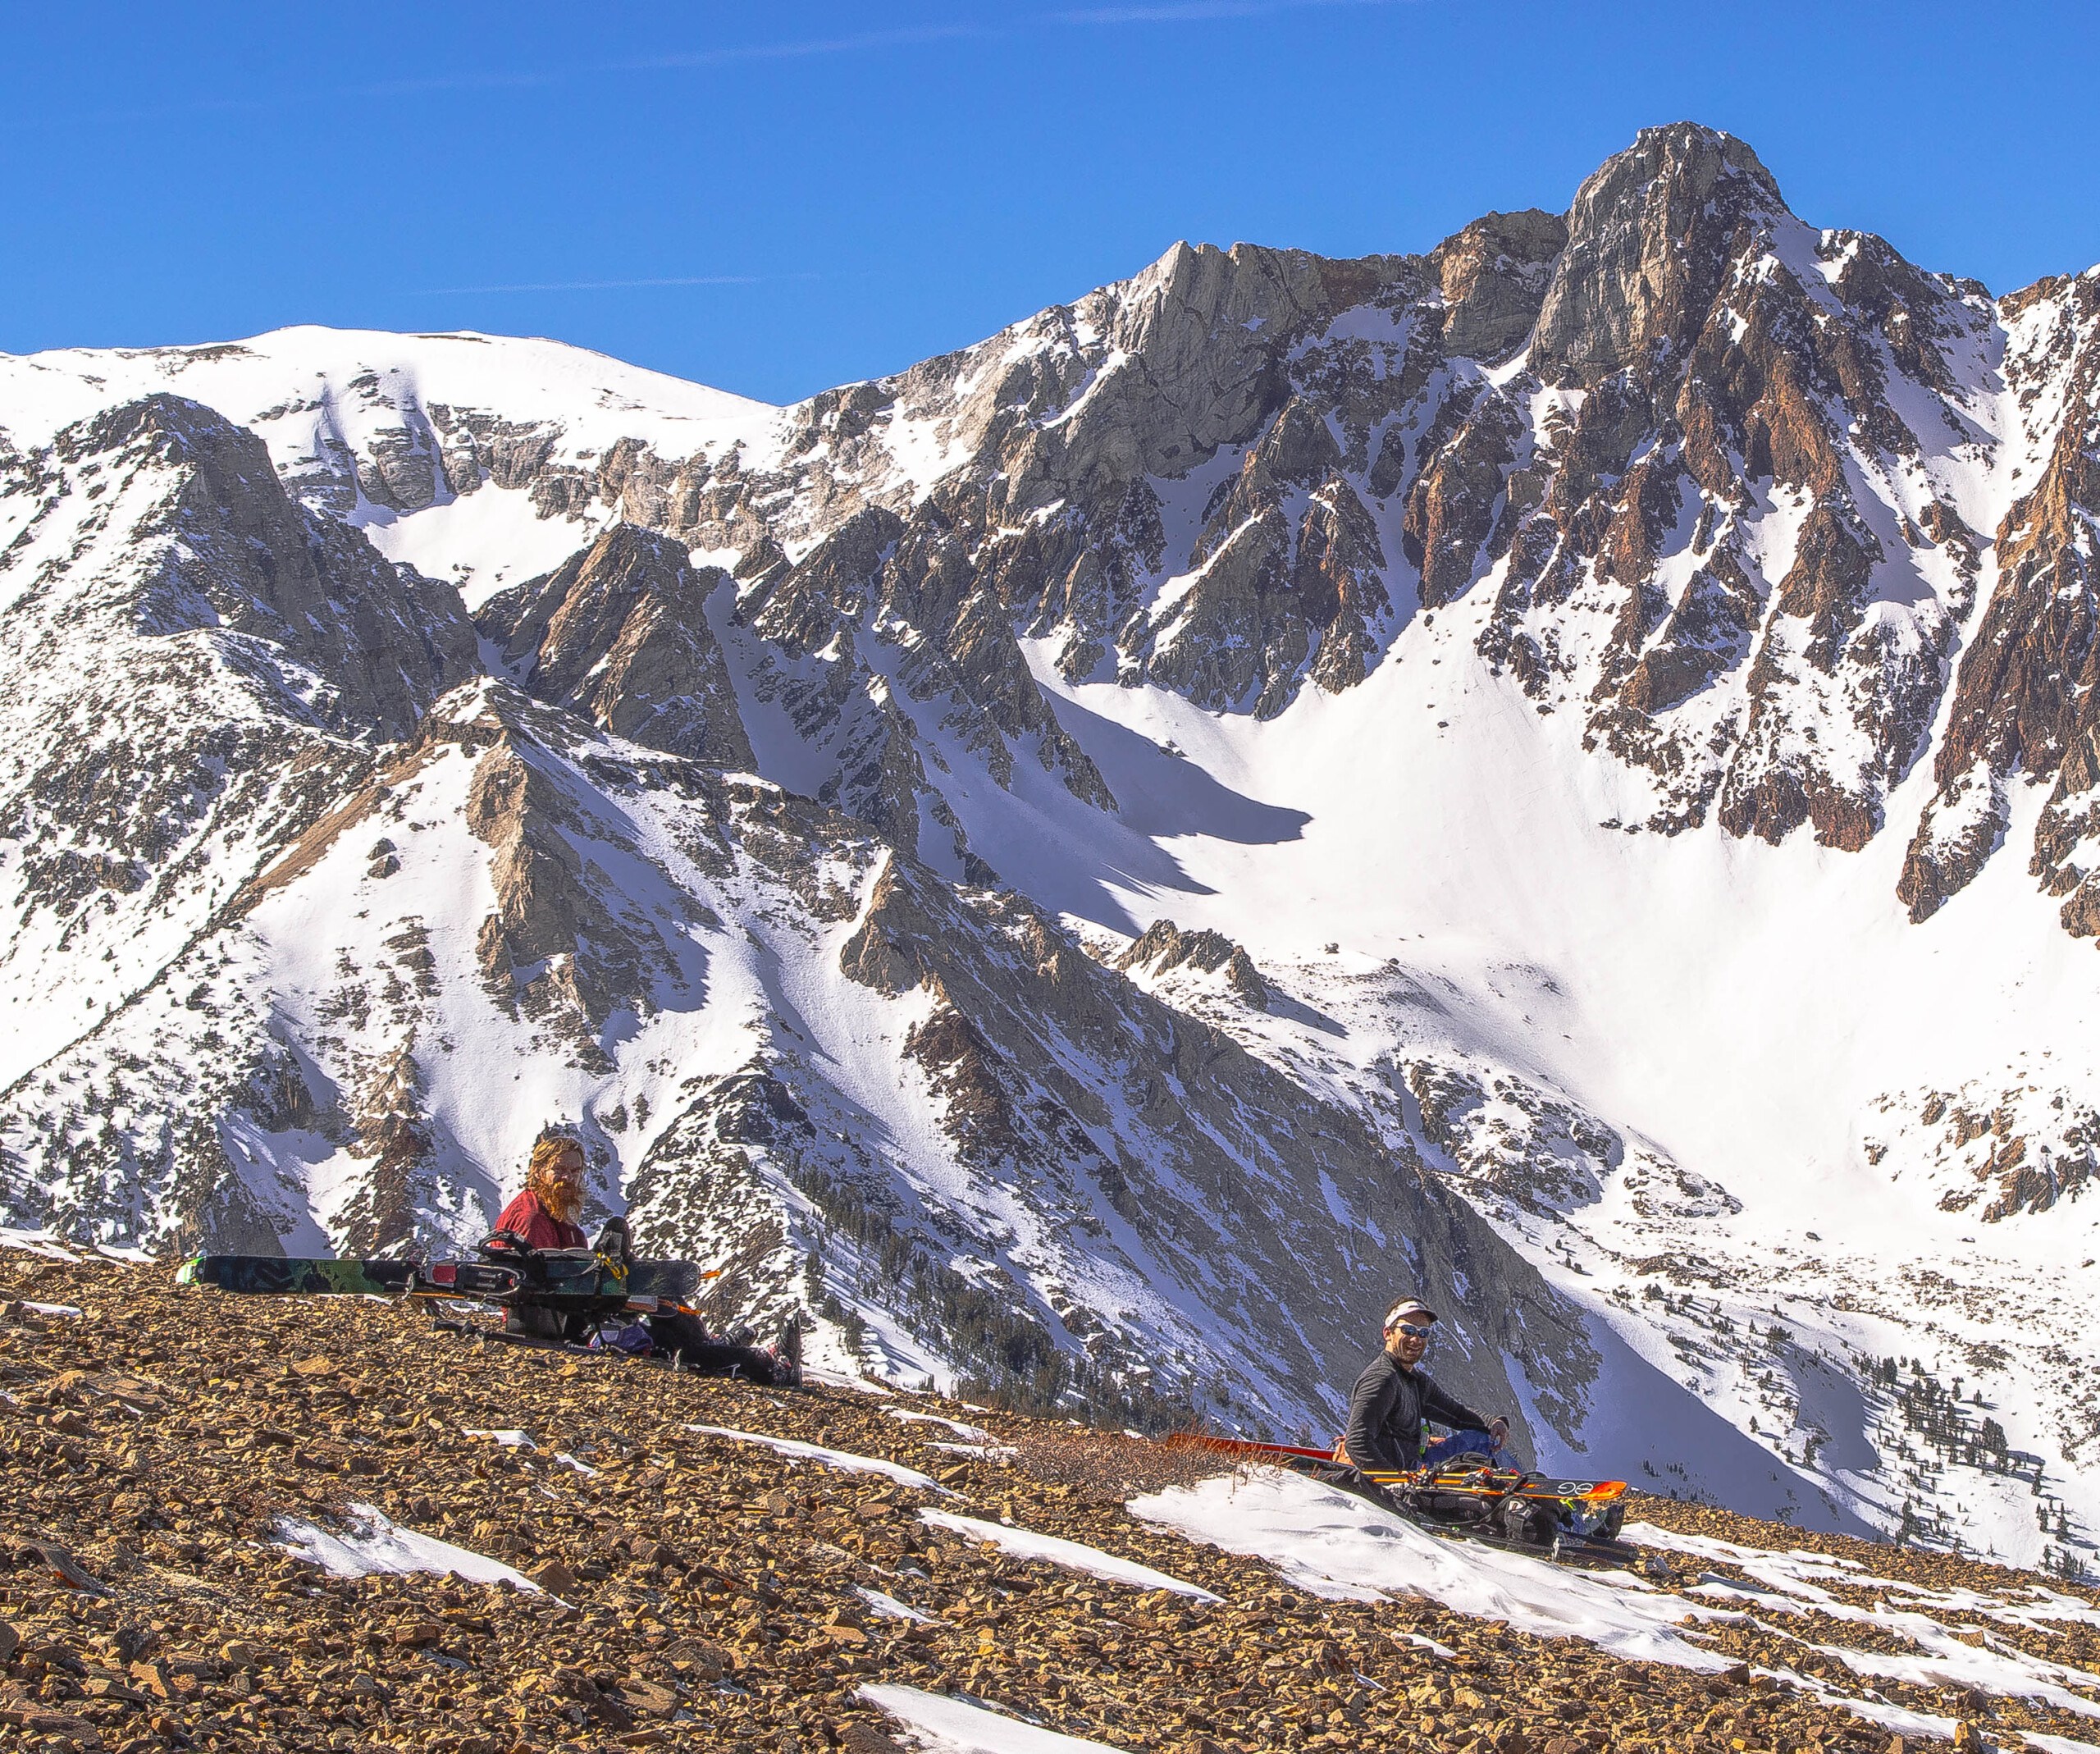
(277, 1276)
(557, 1275)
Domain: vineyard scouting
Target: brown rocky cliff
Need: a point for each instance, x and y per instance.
(961, 1068)
(618, 633)
(554, 946)
(2066, 833)
(1451, 508)
(400, 1184)
(1649, 248)
(1338, 580)
(2025, 693)
(1163, 946)
(879, 954)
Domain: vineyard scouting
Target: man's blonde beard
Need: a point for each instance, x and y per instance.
(561, 1196)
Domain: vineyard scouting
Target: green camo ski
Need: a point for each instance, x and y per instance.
(275, 1276)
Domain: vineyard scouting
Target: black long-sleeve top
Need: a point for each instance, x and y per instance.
(1385, 1412)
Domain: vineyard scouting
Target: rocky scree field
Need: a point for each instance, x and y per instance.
(322, 1523)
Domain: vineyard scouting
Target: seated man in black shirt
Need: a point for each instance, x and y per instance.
(1393, 1396)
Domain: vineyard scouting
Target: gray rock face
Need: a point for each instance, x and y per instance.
(1649, 242)
(196, 671)
(2023, 695)
(400, 467)
(1163, 946)
(239, 555)
(619, 634)
(886, 611)
(1494, 276)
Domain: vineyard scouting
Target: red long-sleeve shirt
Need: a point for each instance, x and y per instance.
(526, 1217)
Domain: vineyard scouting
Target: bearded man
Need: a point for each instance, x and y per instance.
(543, 1215)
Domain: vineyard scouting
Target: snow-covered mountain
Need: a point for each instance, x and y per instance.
(1563, 772)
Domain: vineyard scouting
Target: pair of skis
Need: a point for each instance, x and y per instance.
(563, 1283)
(579, 1281)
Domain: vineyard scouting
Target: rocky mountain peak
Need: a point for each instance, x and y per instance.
(1650, 238)
(619, 631)
(1185, 357)
(1493, 275)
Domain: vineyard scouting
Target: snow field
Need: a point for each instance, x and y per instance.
(973, 1434)
(939, 1724)
(1335, 1545)
(303, 386)
(889, 1608)
(373, 1544)
(1332, 1544)
(1787, 1583)
(843, 1460)
(1073, 1556)
(482, 543)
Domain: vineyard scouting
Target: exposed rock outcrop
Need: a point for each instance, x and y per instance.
(1996, 1150)
(1651, 239)
(618, 633)
(2024, 699)
(1162, 946)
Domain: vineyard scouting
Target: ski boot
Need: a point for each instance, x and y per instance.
(787, 1354)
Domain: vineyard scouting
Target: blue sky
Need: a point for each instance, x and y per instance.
(773, 199)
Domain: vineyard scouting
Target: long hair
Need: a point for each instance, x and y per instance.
(562, 1198)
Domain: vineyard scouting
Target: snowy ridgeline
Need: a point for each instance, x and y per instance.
(1319, 789)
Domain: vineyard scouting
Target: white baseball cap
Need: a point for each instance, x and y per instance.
(1406, 1306)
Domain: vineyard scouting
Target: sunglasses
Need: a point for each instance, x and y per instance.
(1410, 1329)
